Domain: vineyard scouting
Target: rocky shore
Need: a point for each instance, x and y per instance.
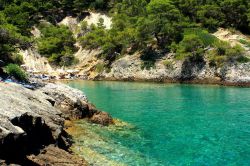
(131, 67)
(167, 70)
(32, 123)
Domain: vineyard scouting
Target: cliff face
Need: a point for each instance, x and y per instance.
(32, 120)
(167, 69)
(132, 67)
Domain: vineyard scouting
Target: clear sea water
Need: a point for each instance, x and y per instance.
(171, 124)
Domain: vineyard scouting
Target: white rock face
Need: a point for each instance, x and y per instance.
(71, 93)
(72, 23)
(129, 68)
(36, 32)
(95, 17)
(238, 73)
(30, 120)
(35, 62)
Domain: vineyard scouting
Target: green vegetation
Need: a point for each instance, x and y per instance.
(57, 44)
(223, 52)
(100, 67)
(245, 42)
(207, 38)
(15, 71)
(192, 47)
(169, 64)
(180, 26)
(193, 44)
(18, 16)
(166, 25)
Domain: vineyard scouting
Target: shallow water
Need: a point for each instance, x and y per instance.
(168, 124)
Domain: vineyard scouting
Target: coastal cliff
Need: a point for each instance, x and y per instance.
(32, 130)
(167, 69)
(132, 67)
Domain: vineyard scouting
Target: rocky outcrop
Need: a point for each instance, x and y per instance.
(35, 62)
(54, 156)
(101, 118)
(32, 120)
(71, 102)
(74, 104)
(168, 69)
(28, 122)
(132, 68)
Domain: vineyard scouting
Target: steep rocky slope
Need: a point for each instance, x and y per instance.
(167, 69)
(36, 63)
(131, 67)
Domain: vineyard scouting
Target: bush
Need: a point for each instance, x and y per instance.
(99, 67)
(216, 60)
(223, 52)
(57, 44)
(17, 58)
(245, 42)
(224, 48)
(191, 47)
(147, 65)
(15, 71)
(207, 38)
(168, 64)
(243, 59)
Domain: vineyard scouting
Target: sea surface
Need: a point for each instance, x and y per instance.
(166, 124)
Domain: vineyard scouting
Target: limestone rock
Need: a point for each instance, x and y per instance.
(53, 156)
(33, 119)
(28, 121)
(72, 102)
(101, 118)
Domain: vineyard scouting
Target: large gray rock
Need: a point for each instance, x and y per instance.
(31, 120)
(74, 104)
(28, 121)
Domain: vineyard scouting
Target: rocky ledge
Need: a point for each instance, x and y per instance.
(32, 123)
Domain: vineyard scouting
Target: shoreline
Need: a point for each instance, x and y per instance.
(34, 122)
(167, 81)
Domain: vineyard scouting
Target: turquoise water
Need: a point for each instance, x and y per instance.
(174, 124)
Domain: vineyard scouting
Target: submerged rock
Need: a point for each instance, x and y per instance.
(101, 118)
(54, 156)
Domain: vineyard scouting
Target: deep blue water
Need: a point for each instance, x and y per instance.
(175, 124)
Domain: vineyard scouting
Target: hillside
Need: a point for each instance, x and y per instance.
(157, 40)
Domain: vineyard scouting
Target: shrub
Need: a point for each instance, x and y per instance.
(57, 44)
(15, 71)
(17, 58)
(99, 67)
(234, 52)
(224, 48)
(191, 47)
(243, 59)
(216, 60)
(245, 42)
(223, 52)
(147, 65)
(168, 64)
(207, 38)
